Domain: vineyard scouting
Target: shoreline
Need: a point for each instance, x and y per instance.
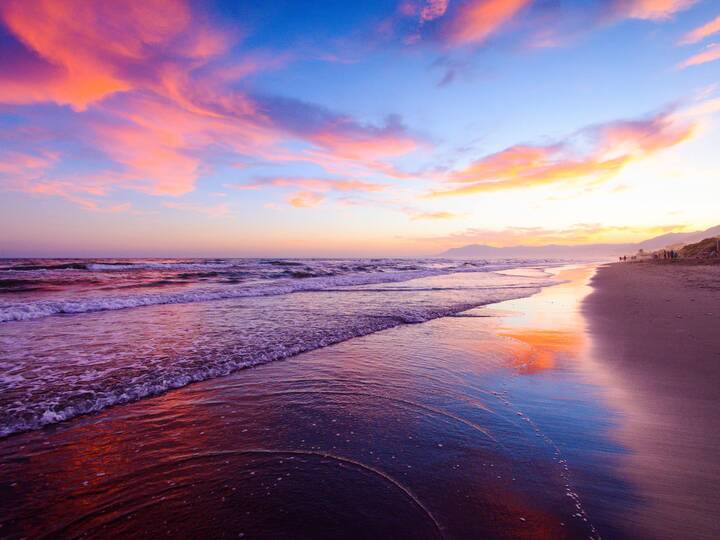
(517, 419)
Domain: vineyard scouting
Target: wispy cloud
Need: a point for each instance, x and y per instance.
(471, 23)
(698, 34)
(21, 167)
(649, 9)
(304, 199)
(338, 140)
(611, 147)
(313, 191)
(474, 22)
(433, 9)
(580, 233)
(417, 215)
(317, 184)
(709, 54)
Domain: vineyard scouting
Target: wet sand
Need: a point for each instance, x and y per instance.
(512, 420)
(656, 329)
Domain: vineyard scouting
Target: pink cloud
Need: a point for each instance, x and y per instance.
(152, 90)
(338, 141)
(162, 145)
(710, 54)
(78, 194)
(316, 184)
(706, 30)
(82, 189)
(433, 9)
(359, 145)
(649, 9)
(16, 165)
(86, 51)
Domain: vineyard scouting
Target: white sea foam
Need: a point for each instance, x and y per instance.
(77, 394)
(23, 311)
(59, 368)
(160, 266)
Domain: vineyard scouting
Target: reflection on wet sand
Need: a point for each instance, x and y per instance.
(538, 349)
(655, 335)
(547, 328)
(460, 427)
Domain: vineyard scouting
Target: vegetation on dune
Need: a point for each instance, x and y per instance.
(703, 249)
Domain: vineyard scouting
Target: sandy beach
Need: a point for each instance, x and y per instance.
(584, 411)
(656, 331)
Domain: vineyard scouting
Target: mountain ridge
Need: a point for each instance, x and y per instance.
(580, 250)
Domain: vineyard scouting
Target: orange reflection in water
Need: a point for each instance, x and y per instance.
(538, 350)
(547, 327)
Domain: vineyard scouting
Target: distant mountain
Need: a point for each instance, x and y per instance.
(472, 251)
(669, 239)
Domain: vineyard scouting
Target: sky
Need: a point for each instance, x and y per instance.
(377, 128)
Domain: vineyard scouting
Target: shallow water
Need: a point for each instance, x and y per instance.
(484, 424)
(38, 288)
(56, 366)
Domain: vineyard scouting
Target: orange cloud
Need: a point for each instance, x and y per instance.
(476, 20)
(581, 233)
(304, 199)
(539, 350)
(440, 215)
(614, 145)
(708, 29)
(710, 54)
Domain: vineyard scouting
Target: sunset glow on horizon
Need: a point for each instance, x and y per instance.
(388, 128)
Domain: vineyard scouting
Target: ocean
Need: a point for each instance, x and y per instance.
(80, 335)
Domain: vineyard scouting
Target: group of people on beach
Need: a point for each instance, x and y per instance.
(662, 254)
(666, 254)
